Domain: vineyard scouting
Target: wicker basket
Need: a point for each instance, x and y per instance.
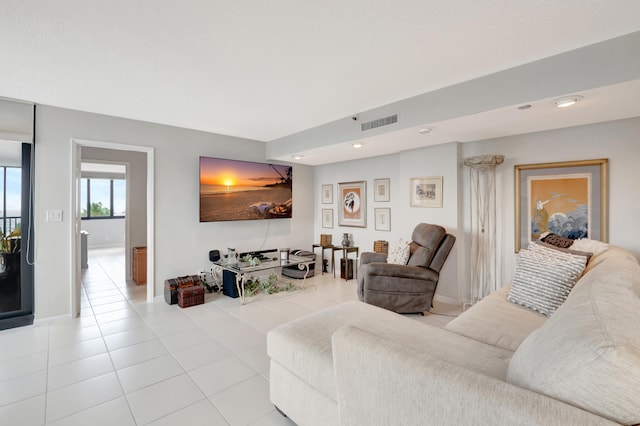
(325, 240)
(381, 246)
(190, 296)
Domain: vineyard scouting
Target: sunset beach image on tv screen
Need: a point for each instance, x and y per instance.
(244, 190)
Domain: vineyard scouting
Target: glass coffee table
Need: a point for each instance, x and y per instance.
(243, 270)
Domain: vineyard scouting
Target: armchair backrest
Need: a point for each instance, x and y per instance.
(430, 246)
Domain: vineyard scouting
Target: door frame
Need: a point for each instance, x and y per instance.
(75, 223)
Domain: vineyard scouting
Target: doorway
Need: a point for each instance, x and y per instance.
(16, 234)
(138, 218)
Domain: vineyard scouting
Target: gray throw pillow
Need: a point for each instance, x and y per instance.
(544, 278)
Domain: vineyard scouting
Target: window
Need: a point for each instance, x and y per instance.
(10, 201)
(103, 198)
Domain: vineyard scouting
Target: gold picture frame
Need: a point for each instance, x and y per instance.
(568, 198)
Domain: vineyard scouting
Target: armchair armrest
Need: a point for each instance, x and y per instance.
(369, 257)
(381, 382)
(402, 271)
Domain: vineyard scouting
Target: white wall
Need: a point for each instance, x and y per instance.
(181, 242)
(441, 160)
(615, 140)
(104, 232)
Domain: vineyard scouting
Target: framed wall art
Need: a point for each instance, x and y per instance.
(327, 218)
(568, 198)
(353, 204)
(327, 194)
(426, 192)
(382, 219)
(381, 190)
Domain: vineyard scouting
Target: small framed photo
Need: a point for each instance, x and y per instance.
(381, 190)
(327, 194)
(426, 192)
(383, 219)
(327, 218)
(353, 199)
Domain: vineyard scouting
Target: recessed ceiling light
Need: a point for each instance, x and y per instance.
(298, 157)
(567, 101)
(425, 130)
(357, 145)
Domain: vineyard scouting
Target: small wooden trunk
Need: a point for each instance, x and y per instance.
(190, 296)
(171, 287)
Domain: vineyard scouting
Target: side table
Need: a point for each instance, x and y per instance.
(345, 256)
(313, 249)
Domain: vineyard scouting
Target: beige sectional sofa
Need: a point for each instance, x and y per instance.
(496, 364)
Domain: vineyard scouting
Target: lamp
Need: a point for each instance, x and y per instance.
(482, 175)
(567, 101)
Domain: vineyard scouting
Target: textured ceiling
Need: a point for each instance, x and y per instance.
(266, 69)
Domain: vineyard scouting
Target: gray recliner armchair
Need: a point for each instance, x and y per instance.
(406, 288)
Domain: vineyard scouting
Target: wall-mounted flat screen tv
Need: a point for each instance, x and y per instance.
(244, 190)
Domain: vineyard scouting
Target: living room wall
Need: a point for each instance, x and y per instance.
(615, 140)
(181, 242)
(441, 160)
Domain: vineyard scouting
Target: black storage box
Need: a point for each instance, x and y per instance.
(343, 273)
(229, 287)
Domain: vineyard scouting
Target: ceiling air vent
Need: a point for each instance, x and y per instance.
(385, 121)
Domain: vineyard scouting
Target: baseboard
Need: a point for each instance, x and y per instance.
(49, 320)
(448, 300)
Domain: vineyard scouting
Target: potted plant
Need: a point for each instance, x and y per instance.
(9, 252)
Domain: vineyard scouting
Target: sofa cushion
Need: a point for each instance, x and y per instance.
(588, 353)
(399, 253)
(496, 321)
(420, 256)
(304, 345)
(593, 246)
(544, 277)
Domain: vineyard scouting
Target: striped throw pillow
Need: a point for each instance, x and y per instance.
(544, 278)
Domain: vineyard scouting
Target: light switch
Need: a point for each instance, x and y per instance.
(54, 215)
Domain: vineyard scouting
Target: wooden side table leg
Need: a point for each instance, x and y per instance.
(355, 264)
(333, 262)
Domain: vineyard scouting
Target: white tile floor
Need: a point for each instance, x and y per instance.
(126, 362)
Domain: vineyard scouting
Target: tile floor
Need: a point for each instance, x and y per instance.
(126, 362)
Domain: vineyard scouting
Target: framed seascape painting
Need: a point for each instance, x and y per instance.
(426, 192)
(327, 218)
(327, 194)
(381, 190)
(353, 204)
(568, 198)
